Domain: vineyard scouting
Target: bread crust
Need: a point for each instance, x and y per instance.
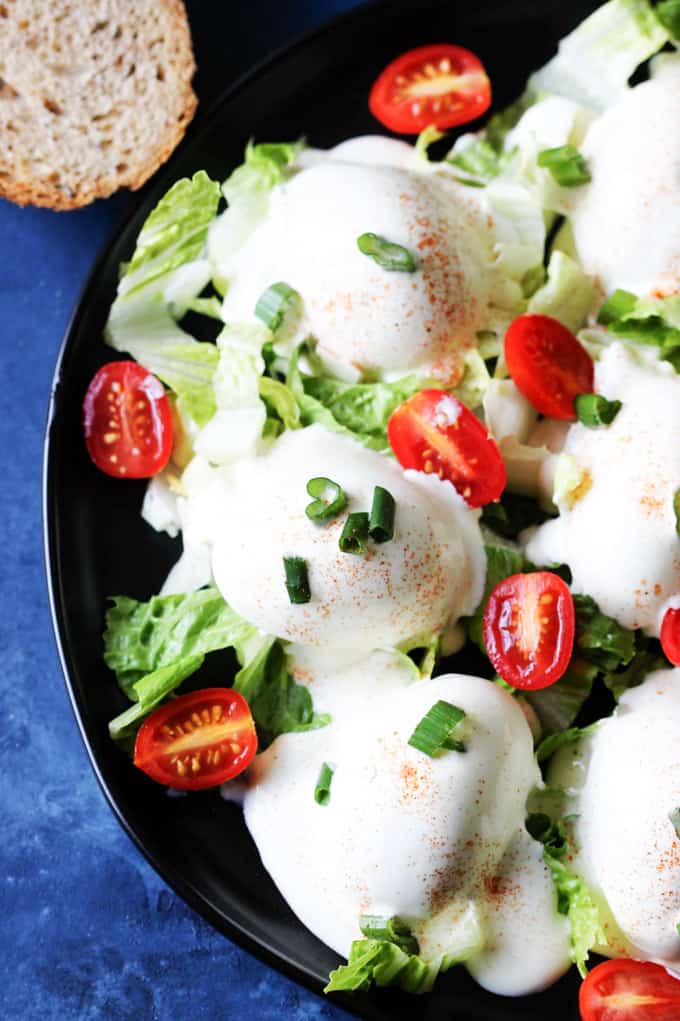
(27, 190)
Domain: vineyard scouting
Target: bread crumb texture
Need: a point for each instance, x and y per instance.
(94, 96)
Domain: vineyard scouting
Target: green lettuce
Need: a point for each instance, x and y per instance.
(480, 158)
(150, 692)
(142, 637)
(383, 963)
(549, 745)
(501, 562)
(279, 705)
(247, 192)
(574, 899)
(567, 294)
(668, 13)
(653, 322)
(166, 264)
(594, 62)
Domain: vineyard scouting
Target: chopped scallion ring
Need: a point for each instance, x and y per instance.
(381, 521)
(297, 579)
(354, 536)
(594, 410)
(329, 499)
(273, 305)
(322, 791)
(387, 254)
(566, 164)
(435, 731)
(389, 930)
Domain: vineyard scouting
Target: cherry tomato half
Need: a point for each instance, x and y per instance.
(434, 433)
(198, 740)
(441, 84)
(670, 635)
(528, 629)
(548, 365)
(127, 421)
(629, 991)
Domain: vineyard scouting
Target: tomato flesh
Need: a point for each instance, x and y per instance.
(626, 990)
(528, 629)
(127, 421)
(198, 740)
(434, 433)
(548, 365)
(670, 635)
(442, 85)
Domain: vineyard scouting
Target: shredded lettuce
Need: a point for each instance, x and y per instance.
(279, 705)
(150, 692)
(383, 963)
(574, 899)
(567, 294)
(247, 192)
(236, 427)
(501, 562)
(668, 13)
(142, 637)
(160, 280)
(550, 744)
(427, 137)
(594, 62)
(480, 158)
(652, 322)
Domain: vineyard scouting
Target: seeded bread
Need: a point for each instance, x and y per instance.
(94, 96)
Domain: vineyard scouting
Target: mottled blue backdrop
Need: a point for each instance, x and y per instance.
(87, 929)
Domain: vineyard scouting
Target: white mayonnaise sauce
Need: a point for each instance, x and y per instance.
(626, 221)
(619, 538)
(440, 842)
(430, 574)
(367, 320)
(625, 785)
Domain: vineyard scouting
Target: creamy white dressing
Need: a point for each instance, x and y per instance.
(427, 576)
(619, 537)
(367, 320)
(438, 841)
(625, 782)
(626, 221)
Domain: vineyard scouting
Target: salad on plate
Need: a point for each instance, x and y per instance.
(440, 412)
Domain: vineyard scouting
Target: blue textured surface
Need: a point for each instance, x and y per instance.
(87, 929)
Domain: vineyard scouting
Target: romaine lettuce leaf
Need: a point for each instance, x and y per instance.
(567, 294)
(247, 192)
(501, 562)
(159, 280)
(142, 637)
(279, 705)
(594, 62)
(383, 963)
(149, 692)
(549, 745)
(574, 899)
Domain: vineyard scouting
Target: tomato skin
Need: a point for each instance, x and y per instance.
(435, 433)
(670, 635)
(198, 740)
(127, 421)
(625, 990)
(528, 628)
(548, 365)
(400, 98)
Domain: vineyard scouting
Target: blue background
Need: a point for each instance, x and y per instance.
(87, 929)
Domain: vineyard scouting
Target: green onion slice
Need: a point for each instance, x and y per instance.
(387, 254)
(435, 731)
(594, 410)
(329, 499)
(566, 164)
(354, 536)
(322, 791)
(273, 305)
(297, 579)
(619, 304)
(676, 509)
(389, 930)
(381, 521)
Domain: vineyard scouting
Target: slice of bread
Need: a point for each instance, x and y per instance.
(94, 96)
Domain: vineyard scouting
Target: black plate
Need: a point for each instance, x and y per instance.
(97, 545)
